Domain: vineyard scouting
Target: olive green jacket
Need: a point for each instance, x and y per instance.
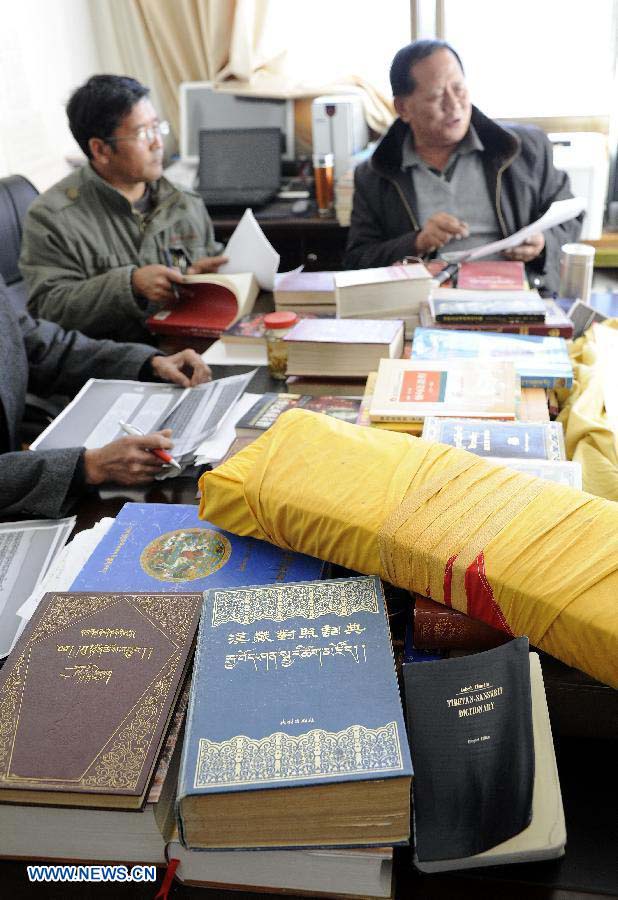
(83, 239)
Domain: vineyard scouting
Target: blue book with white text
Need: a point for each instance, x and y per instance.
(295, 732)
(166, 547)
(540, 361)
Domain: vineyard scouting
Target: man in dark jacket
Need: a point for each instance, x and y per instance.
(446, 176)
(39, 356)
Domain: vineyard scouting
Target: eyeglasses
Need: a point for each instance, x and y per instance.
(146, 134)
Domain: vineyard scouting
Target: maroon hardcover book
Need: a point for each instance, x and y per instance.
(441, 627)
(87, 694)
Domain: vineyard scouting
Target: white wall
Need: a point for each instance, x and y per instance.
(47, 48)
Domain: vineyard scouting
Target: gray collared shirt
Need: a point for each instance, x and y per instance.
(460, 189)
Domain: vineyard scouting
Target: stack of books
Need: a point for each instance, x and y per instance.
(486, 787)
(269, 407)
(102, 670)
(542, 362)
(389, 292)
(406, 391)
(300, 713)
(535, 448)
(342, 348)
(344, 197)
(555, 322)
(305, 292)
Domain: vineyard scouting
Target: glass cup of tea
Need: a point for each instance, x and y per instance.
(323, 172)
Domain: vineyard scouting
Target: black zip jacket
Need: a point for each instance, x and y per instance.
(521, 178)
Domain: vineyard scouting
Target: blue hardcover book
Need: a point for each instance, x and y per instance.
(295, 733)
(513, 440)
(540, 361)
(166, 547)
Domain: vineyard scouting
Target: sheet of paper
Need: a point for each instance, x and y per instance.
(201, 412)
(559, 212)
(27, 550)
(216, 447)
(92, 418)
(249, 250)
(63, 571)
(237, 354)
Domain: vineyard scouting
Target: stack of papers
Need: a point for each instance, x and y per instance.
(194, 414)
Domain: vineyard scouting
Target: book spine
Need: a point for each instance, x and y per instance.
(497, 318)
(538, 329)
(546, 381)
(186, 330)
(443, 628)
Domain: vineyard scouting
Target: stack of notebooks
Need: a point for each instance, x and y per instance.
(342, 348)
(305, 292)
(389, 292)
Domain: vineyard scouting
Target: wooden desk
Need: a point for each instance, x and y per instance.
(317, 243)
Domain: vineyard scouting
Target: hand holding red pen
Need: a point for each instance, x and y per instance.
(128, 460)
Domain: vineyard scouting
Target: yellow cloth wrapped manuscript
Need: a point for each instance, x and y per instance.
(529, 556)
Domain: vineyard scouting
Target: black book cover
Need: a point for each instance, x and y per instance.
(470, 729)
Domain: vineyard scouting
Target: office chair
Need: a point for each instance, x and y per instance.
(16, 195)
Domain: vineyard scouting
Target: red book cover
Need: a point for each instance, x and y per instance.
(423, 387)
(488, 275)
(441, 627)
(203, 309)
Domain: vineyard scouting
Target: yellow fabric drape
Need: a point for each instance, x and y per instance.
(534, 557)
(590, 436)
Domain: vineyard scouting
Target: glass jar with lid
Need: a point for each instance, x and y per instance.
(277, 325)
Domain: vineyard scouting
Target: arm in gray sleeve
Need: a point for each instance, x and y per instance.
(62, 361)
(39, 483)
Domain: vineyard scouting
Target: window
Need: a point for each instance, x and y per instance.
(536, 58)
(327, 40)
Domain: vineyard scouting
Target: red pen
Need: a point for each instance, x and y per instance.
(162, 454)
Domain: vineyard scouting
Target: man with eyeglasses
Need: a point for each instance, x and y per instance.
(445, 176)
(102, 248)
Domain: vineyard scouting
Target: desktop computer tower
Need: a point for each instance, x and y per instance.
(338, 126)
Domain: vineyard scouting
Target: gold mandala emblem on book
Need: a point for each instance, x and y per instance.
(185, 554)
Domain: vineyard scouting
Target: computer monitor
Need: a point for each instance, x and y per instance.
(239, 165)
(203, 106)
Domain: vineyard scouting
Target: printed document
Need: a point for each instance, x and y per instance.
(93, 418)
(559, 212)
(27, 549)
(249, 250)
